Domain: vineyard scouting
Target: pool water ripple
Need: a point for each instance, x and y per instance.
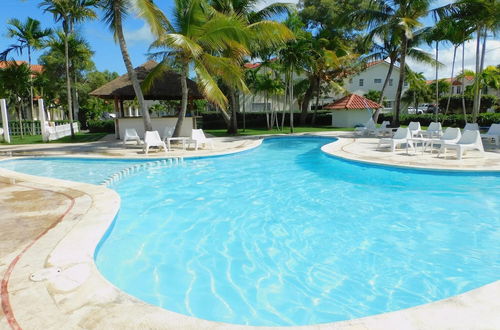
(286, 235)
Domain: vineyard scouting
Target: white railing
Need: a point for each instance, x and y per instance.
(60, 131)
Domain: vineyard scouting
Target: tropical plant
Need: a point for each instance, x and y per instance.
(29, 36)
(400, 18)
(70, 13)
(482, 16)
(261, 27)
(419, 91)
(16, 85)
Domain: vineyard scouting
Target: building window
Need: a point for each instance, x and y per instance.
(406, 84)
(390, 82)
(361, 82)
(377, 81)
(458, 90)
(350, 81)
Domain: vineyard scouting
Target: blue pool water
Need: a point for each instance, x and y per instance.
(286, 235)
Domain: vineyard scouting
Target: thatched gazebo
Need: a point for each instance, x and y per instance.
(167, 87)
(351, 110)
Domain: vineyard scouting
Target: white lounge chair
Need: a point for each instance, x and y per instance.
(152, 139)
(401, 136)
(470, 140)
(451, 135)
(415, 128)
(435, 130)
(367, 129)
(131, 135)
(199, 138)
(382, 130)
(471, 127)
(493, 134)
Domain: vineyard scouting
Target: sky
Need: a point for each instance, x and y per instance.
(107, 55)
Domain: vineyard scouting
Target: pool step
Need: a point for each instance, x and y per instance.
(168, 162)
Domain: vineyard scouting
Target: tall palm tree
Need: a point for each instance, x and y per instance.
(482, 15)
(257, 21)
(213, 43)
(69, 13)
(115, 12)
(400, 17)
(30, 36)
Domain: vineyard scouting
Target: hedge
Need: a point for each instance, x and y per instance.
(101, 126)
(257, 120)
(453, 120)
(487, 101)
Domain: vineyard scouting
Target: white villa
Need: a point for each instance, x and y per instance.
(457, 88)
(372, 78)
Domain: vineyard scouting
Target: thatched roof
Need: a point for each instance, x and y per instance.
(167, 87)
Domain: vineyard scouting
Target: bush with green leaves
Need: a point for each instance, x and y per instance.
(487, 101)
(101, 126)
(450, 120)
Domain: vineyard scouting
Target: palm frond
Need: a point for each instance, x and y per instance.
(208, 86)
(278, 8)
(157, 21)
(226, 69)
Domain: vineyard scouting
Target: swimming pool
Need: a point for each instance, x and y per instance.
(286, 235)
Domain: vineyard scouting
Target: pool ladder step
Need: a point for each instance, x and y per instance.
(168, 162)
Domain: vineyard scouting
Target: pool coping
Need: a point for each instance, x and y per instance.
(96, 303)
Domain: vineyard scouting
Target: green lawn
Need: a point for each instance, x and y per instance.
(248, 131)
(79, 137)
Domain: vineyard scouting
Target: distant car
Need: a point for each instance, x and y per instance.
(413, 111)
(432, 108)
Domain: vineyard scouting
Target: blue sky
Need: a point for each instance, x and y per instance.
(108, 56)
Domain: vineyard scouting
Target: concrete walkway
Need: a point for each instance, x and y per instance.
(49, 230)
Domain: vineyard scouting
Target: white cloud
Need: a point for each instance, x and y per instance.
(446, 57)
(264, 3)
(141, 35)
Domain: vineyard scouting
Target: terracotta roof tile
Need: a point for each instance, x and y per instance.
(352, 101)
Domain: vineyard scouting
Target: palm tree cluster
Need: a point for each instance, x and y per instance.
(316, 47)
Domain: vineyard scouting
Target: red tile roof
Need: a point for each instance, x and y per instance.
(369, 64)
(251, 65)
(352, 101)
(34, 67)
(457, 81)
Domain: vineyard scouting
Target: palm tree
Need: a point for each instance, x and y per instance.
(401, 18)
(29, 36)
(69, 13)
(213, 43)
(263, 28)
(114, 13)
(482, 15)
(419, 91)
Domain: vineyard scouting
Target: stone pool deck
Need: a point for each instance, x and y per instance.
(50, 228)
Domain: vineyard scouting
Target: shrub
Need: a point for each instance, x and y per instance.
(101, 126)
(450, 120)
(487, 101)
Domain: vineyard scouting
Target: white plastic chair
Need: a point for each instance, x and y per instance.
(415, 128)
(367, 129)
(435, 130)
(168, 132)
(471, 127)
(152, 139)
(451, 135)
(470, 140)
(401, 136)
(493, 134)
(383, 128)
(131, 135)
(199, 138)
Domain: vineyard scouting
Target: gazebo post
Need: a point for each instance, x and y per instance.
(117, 113)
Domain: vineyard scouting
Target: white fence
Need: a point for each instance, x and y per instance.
(60, 131)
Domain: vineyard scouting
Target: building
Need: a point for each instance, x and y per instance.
(372, 78)
(35, 68)
(457, 87)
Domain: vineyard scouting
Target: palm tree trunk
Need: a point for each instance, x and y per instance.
(182, 113)
(68, 83)
(318, 92)
(233, 127)
(452, 73)
(386, 82)
(475, 104)
(291, 101)
(32, 106)
(479, 75)
(285, 100)
(402, 72)
(130, 70)
(436, 108)
(244, 111)
(266, 100)
(463, 82)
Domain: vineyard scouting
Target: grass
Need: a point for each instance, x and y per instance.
(34, 139)
(251, 131)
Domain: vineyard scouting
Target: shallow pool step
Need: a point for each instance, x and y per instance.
(115, 177)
